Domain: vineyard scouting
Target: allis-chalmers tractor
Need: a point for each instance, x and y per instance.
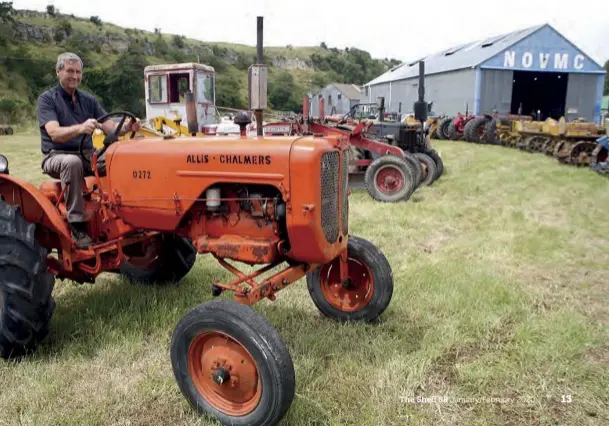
(279, 205)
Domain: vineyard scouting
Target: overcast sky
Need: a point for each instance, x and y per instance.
(389, 28)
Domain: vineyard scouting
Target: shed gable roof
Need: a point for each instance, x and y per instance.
(466, 55)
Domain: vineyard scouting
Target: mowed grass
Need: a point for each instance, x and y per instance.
(499, 314)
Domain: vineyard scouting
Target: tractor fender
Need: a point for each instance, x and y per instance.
(35, 206)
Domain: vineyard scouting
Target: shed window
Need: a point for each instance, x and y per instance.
(339, 96)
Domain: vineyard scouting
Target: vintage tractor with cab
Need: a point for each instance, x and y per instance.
(279, 205)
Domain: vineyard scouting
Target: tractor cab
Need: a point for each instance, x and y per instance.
(166, 86)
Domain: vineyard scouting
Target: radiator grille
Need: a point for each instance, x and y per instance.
(343, 193)
(329, 195)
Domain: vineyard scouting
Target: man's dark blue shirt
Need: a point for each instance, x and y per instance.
(56, 104)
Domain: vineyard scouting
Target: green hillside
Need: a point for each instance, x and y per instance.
(115, 57)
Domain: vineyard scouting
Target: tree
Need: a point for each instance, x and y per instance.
(6, 20)
(125, 83)
(228, 91)
(284, 93)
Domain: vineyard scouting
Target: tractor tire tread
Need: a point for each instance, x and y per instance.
(261, 339)
(26, 302)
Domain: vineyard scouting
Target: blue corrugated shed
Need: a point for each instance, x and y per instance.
(488, 54)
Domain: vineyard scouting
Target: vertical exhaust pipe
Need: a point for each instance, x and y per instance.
(259, 29)
(191, 113)
(305, 107)
(322, 109)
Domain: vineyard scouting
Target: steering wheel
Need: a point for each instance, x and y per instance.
(112, 137)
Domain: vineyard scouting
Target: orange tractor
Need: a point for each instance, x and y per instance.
(279, 205)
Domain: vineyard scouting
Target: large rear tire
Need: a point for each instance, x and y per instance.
(390, 179)
(475, 128)
(26, 286)
(230, 363)
(442, 131)
(168, 259)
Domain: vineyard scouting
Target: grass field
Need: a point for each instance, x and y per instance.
(499, 314)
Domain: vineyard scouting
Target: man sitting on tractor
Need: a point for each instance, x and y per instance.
(65, 115)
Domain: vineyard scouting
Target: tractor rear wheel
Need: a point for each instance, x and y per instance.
(230, 363)
(390, 179)
(26, 286)
(429, 168)
(368, 291)
(475, 128)
(443, 128)
(166, 259)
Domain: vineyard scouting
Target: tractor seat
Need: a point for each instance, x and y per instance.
(51, 188)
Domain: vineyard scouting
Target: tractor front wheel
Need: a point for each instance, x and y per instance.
(390, 179)
(429, 167)
(164, 259)
(26, 303)
(367, 292)
(230, 363)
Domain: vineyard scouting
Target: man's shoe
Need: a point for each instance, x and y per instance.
(79, 235)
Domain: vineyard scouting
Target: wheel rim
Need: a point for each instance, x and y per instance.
(389, 179)
(224, 373)
(350, 297)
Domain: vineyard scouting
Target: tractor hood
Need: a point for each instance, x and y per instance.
(156, 174)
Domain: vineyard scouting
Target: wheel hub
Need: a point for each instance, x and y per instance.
(221, 375)
(349, 295)
(389, 179)
(224, 373)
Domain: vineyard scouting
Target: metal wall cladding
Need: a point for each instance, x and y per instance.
(581, 96)
(451, 92)
(496, 91)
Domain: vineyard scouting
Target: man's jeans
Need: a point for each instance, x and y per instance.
(70, 170)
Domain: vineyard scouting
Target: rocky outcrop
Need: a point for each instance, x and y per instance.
(292, 64)
(107, 41)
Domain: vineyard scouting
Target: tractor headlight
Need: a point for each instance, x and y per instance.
(3, 165)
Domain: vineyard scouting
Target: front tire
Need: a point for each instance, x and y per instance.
(26, 303)
(230, 363)
(370, 289)
(428, 177)
(390, 179)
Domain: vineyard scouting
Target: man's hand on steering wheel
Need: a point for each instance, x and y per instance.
(113, 131)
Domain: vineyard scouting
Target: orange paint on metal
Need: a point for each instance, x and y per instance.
(350, 295)
(246, 250)
(272, 194)
(35, 207)
(224, 373)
